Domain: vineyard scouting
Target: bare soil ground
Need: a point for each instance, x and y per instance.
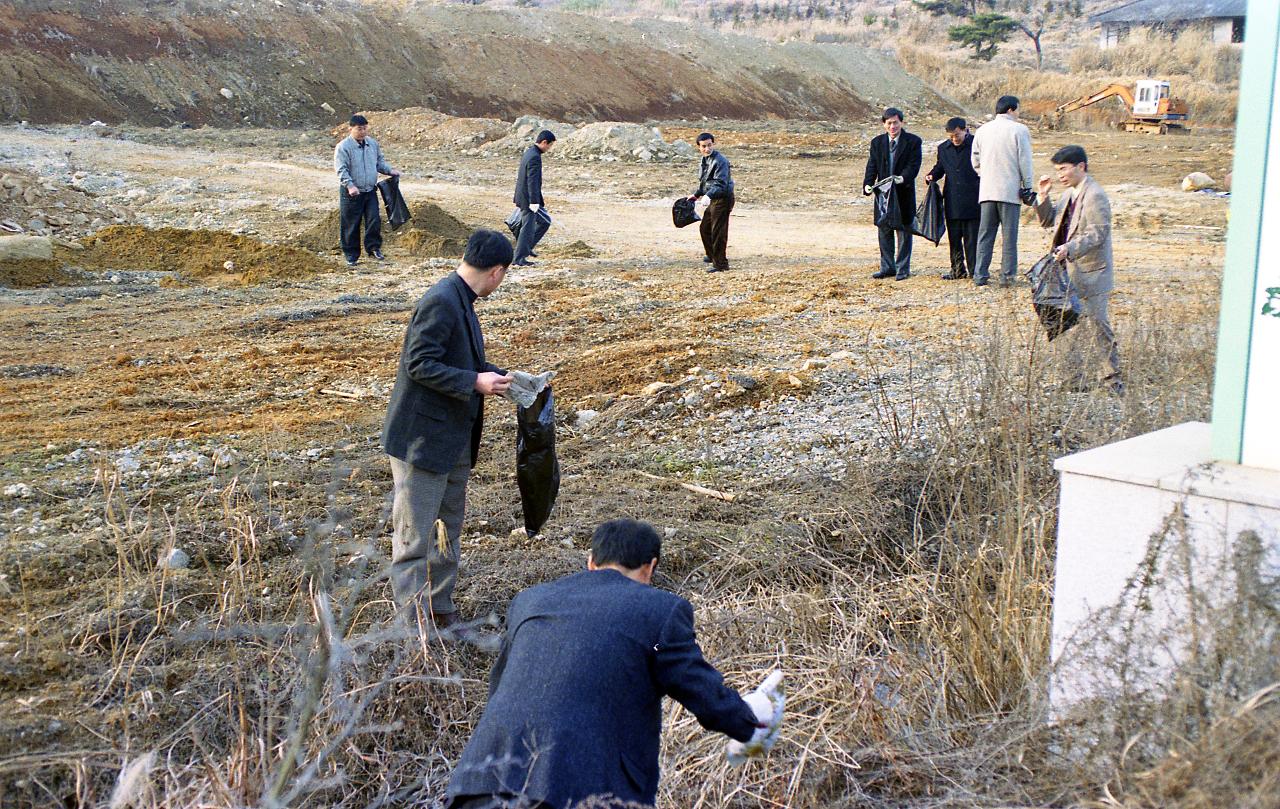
(139, 414)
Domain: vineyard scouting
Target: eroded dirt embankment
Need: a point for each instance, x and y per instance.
(232, 62)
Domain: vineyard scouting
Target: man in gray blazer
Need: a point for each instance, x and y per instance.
(1081, 223)
(528, 196)
(575, 697)
(1001, 155)
(433, 426)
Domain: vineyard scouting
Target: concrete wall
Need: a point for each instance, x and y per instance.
(1115, 499)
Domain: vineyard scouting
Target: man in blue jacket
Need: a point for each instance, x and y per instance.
(434, 420)
(528, 197)
(358, 161)
(575, 698)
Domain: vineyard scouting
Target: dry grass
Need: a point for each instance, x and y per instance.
(1212, 101)
(910, 605)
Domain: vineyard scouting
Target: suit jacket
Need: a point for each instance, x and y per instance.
(434, 409)
(575, 697)
(1088, 237)
(960, 193)
(1002, 158)
(529, 179)
(907, 164)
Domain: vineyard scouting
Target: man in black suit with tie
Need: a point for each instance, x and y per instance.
(528, 196)
(575, 697)
(894, 154)
(960, 197)
(434, 420)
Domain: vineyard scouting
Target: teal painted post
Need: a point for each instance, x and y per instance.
(1254, 120)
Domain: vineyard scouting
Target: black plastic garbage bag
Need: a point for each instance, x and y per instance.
(537, 468)
(1053, 296)
(888, 214)
(683, 213)
(540, 218)
(397, 209)
(930, 221)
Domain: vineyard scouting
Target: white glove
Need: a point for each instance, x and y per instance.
(534, 207)
(767, 702)
(897, 179)
(866, 190)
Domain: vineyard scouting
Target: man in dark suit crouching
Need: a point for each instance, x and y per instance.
(434, 420)
(575, 698)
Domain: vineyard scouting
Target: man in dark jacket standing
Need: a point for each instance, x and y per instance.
(716, 183)
(896, 153)
(434, 420)
(575, 697)
(960, 197)
(528, 197)
(358, 161)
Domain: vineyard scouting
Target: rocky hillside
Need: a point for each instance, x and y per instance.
(284, 62)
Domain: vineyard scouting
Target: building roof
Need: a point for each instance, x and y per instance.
(1140, 11)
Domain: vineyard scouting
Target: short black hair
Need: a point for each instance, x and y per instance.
(487, 249)
(546, 135)
(1070, 154)
(892, 112)
(956, 123)
(627, 543)
(358, 120)
(704, 136)
(1006, 103)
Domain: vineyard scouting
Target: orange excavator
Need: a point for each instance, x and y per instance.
(1151, 108)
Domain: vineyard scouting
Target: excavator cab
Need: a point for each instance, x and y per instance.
(1149, 96)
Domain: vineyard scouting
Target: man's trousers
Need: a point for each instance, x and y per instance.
(715, 231)
(962, 236)
(899, 264)
(1002, 216)
(532, 229)
(420, 568)
(1091, 345)
(351, 211)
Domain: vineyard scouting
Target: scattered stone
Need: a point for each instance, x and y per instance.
(327, 108)
(20, 490)
(176, 559)
(743, 381)
(225, 93)
(1197, 181)
(26, 248)
(655, 387)
(584, 417)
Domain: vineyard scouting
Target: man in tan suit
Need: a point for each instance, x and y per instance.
(1081, 224)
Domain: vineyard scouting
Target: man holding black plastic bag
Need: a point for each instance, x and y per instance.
(528, 198)
(433, 426)
(1081, 223)
(892, 167)
(715, 183)
(959, 197)
(357, 160)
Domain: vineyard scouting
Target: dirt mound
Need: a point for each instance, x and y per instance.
(30, 204)
(428, 130)
(431, 233)
(577, 249)
(207, 255)
(275, 64)
(33, 272)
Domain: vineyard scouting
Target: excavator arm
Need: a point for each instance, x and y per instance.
(1109, 91)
